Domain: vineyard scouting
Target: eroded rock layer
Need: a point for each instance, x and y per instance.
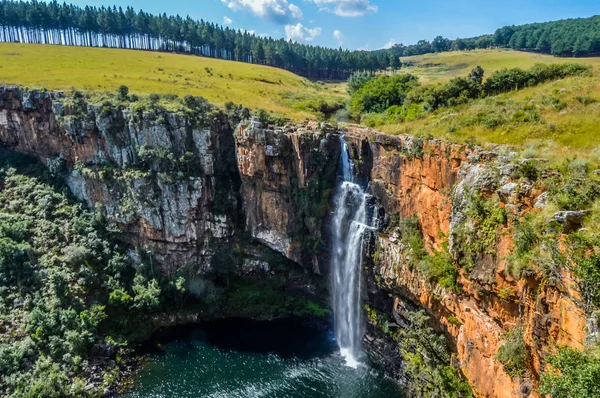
(181, 186)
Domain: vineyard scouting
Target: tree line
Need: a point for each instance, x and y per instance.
(565, 38)
(568, 37)
(67, 24)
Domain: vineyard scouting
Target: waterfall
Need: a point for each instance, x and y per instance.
(350, 220)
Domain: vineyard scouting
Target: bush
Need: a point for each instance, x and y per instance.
(571, 373)
(380, 93)
(122, 93)
(514, 79)
(428, 361)
(357, 80)
(513, 353)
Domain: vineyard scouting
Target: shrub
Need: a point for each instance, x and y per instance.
(512, 354)
(571, 373)
(357, 80)
(122, 93)
(380, 93)
(586, 100)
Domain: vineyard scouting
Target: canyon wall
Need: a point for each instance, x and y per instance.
(435, 181)
(170, 182)
(180, 187)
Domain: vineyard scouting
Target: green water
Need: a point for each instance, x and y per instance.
(242, 359)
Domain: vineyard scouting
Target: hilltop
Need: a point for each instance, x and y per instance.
(556, 118)
(443, 66)
(145, 72)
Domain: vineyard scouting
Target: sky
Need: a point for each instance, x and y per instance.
(365, 24)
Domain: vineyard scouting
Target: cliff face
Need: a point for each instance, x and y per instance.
(436, 182)
(171, 183)
(182, 186)
(287, 179)
(154, 173)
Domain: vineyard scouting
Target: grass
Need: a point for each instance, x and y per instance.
(549, 118)
(556, 120)
(144, 72)
(441, 67)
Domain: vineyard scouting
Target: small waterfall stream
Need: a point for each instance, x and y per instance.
(350, 221)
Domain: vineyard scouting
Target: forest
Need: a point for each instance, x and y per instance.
(53, 23)
(67, 24)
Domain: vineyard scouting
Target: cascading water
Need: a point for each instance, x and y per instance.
(350, 221)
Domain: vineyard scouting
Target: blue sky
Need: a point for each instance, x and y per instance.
(366, 24)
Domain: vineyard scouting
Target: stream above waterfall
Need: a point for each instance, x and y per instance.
(245, 359)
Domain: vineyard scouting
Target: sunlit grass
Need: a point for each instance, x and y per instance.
(144, 72)
(441, 67)
(550, 119)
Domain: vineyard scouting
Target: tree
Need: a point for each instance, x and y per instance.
(572, 374)
(357, 80)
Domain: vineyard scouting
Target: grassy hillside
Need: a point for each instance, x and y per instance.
(557, 120)
(440, 67)
(559, 116)
(219, 81)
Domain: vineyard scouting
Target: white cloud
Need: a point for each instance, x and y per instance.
(279, 11)
(301, 33)
(346, 8)
(227, 21)
(368, 47)
(389, 44)
(338, 36)
(253, 32)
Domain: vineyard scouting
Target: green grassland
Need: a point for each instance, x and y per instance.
(557, 120)
(102, 69)
(441, 67)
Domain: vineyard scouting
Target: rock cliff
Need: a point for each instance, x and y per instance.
(439, 184)
(181, 185)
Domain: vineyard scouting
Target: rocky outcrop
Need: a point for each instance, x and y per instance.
(180, 186)
(169, 183)
(287, 179)
(435, 181)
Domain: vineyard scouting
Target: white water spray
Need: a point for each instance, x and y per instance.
(350, 220)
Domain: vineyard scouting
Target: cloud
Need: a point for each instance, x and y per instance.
(227, 21)
(253, 32)
(338, 36)
(367, 47)
(279, 11)
(389, 44)
(301, 33)
(346, 8)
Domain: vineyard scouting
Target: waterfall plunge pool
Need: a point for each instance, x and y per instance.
(238, 358)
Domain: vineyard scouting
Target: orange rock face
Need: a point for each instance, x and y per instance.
(419, 178)
(284, 179)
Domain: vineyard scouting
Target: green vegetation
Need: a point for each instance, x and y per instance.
(428, 361)
(477, 236)
(441, 67)
(357, 80)
(144, 73)
(572, 374)
(539, 243)
(427, 355)
(72, 304)
(568, 37)
(400, 98)
(67, 24)
(58, 269)
(438, 267)
(512, 354)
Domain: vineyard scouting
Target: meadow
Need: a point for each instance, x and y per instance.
(557, 119)
(441, 67)
(145, 72)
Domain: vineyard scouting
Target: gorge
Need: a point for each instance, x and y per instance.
(196, 191)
